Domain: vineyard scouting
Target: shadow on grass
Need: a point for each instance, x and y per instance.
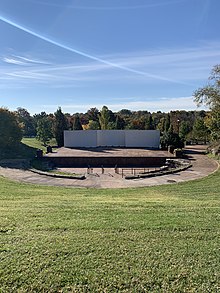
(19, 151)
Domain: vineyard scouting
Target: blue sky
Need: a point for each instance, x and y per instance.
(125, 54)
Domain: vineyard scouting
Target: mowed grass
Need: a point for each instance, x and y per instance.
(36, 144)
(157, 239)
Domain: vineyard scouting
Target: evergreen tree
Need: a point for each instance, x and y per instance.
(119, 122)
(76, 123)
(104, 118)
(171, 138)
(60, 124)
(184, 129)
(161, 125)
(149, 125)
(200, 131)
(167, 122)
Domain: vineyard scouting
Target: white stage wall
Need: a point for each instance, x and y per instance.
(142, 138)
(80, 138)
(110, 138)
(115, 138)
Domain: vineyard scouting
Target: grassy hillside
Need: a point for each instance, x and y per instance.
(25, 150)
(157, 239)
(34, 143)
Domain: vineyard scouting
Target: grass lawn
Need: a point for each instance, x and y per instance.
(34, 143)
(155, 239)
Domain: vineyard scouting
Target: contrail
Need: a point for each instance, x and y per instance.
(81, 53)
(149, 5)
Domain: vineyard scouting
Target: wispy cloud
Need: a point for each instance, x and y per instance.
(162, 104)
(145, 74)
(32, 61)
(24, 61)
(181, 65)
(14, 61)
(126, 6)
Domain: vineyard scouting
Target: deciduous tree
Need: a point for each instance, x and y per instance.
(210, 96)
(10, 131)
(27, 122)
(44, 130)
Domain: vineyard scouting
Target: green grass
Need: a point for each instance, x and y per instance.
(156, 239)
(34, 143)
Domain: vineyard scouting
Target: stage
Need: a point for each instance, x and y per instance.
(107, 157)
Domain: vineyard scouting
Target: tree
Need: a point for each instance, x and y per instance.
(60, 124)
(161, 125)
(104, 118)
(184, 129)
(27, 122)
(149, 125)
(93, 114)
(210, 96)
(44, 130)
(167, 122)
(92, 125)
(10, 131)
(119, 122)
(200, 131)
(76, 123)
(171, 138)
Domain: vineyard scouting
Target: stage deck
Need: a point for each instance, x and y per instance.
(108, 152)
(107, 157)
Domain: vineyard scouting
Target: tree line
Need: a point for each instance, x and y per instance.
(175, 127)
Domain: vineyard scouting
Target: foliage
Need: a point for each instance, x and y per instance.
(167, 123)
(76, 125)
(104, 118)
(92, 125)
(149, 125)
(27, 122)
(200, 131)
(44, 130)
(171, 138)
(93, 114)
(181, 122)
(60, 124)
(185, 128)
(156, 239)
(210, 96)
(10, 131)
(119, 122)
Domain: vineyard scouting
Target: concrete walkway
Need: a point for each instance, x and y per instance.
(201, 167)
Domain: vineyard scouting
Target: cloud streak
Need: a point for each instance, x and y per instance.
(186, 64)
(13, 61)
(23, 61)
(86, 55)
(161, 104)
(104, 7)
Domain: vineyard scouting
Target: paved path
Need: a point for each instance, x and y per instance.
(202, 166)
